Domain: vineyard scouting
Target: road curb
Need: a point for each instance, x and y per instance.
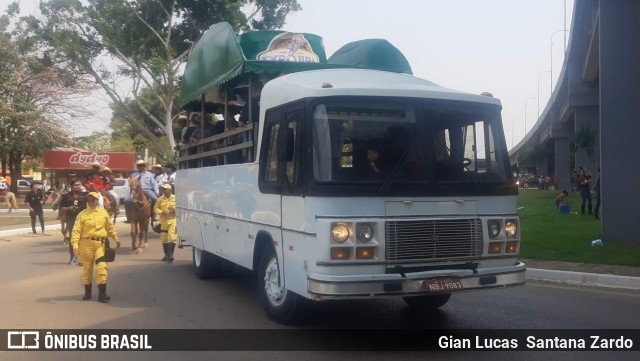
(583, 278)
(48, 227)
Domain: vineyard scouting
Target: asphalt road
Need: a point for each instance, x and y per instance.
(39, 290)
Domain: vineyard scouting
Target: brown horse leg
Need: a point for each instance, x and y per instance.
(133, 236)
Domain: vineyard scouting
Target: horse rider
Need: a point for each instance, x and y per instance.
(115, 199)
(97, 182)
(166, 208)
(148, 184)
(90, 232)
(10, 197)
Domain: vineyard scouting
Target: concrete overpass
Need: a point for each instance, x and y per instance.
(593, 116)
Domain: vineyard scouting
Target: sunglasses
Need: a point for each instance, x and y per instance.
(90, 200)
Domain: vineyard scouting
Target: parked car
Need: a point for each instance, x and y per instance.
(24, 186)
(121, 186)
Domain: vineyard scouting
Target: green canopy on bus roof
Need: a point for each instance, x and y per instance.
(220, 55)
(376, 54)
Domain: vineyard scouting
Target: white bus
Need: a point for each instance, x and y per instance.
(363, 184)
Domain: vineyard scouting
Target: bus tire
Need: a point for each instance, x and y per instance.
(427, 303)
(204, 264)
(280, 304)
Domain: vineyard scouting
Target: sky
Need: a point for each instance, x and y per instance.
(500, 46)
(505, 47)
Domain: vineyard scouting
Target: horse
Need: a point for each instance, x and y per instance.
(140, 214)
(10, 199)
(110, 204)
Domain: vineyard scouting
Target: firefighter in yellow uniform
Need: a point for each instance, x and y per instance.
(89, 233)
(166, 208)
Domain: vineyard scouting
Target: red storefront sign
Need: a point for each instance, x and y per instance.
(83, 160)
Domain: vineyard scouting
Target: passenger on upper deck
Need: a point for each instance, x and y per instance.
(245, 117)
(190, 134)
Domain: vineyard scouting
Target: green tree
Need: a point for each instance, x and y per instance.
(36, 96)
(149, 41)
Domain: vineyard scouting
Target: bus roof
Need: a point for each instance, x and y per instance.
(358, 82)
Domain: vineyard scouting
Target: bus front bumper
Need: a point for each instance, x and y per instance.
(411, 284)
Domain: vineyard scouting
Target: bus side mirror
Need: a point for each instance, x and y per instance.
(285, 146)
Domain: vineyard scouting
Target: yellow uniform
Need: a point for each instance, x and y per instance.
(89, 231)
(166, 208)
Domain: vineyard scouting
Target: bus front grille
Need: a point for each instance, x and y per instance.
(438, 239)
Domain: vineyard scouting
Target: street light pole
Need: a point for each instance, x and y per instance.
(525, 115)
(542, 72)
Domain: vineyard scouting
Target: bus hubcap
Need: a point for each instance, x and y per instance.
(272, 287)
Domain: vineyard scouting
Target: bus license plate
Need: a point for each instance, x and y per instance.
(442, 285)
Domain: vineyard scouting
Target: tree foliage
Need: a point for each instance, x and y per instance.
(148, 41)
(36, 96)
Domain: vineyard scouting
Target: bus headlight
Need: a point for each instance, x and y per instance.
(494, 228)
(364, 232)
(511, 228)
(340, 232)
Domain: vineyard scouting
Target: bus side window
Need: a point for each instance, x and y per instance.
(271, 171)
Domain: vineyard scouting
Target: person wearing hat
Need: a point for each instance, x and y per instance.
(114, 198)
(166, 208)
(97, 182)
(189, 133)
(90, 231)
(148, 184)
(10, 198)
(159, 173)
(170, 176)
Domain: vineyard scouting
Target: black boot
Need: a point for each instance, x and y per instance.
(166, 251)
(102, 295)
(87, 292)
(171, 246)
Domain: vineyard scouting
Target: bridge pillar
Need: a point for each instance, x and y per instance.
(619, 122)
(562, 166)
(542, 167)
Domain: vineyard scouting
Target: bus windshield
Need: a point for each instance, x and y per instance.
(424, 141)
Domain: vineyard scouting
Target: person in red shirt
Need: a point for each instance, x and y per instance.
(97, 182)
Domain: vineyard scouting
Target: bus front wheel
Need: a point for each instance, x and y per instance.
(280, 304)
(427, 303)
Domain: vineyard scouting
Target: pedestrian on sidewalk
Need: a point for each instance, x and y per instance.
(90, 232)
(34, 200)
(166, 208)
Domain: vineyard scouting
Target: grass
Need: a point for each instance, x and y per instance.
(547, 235)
